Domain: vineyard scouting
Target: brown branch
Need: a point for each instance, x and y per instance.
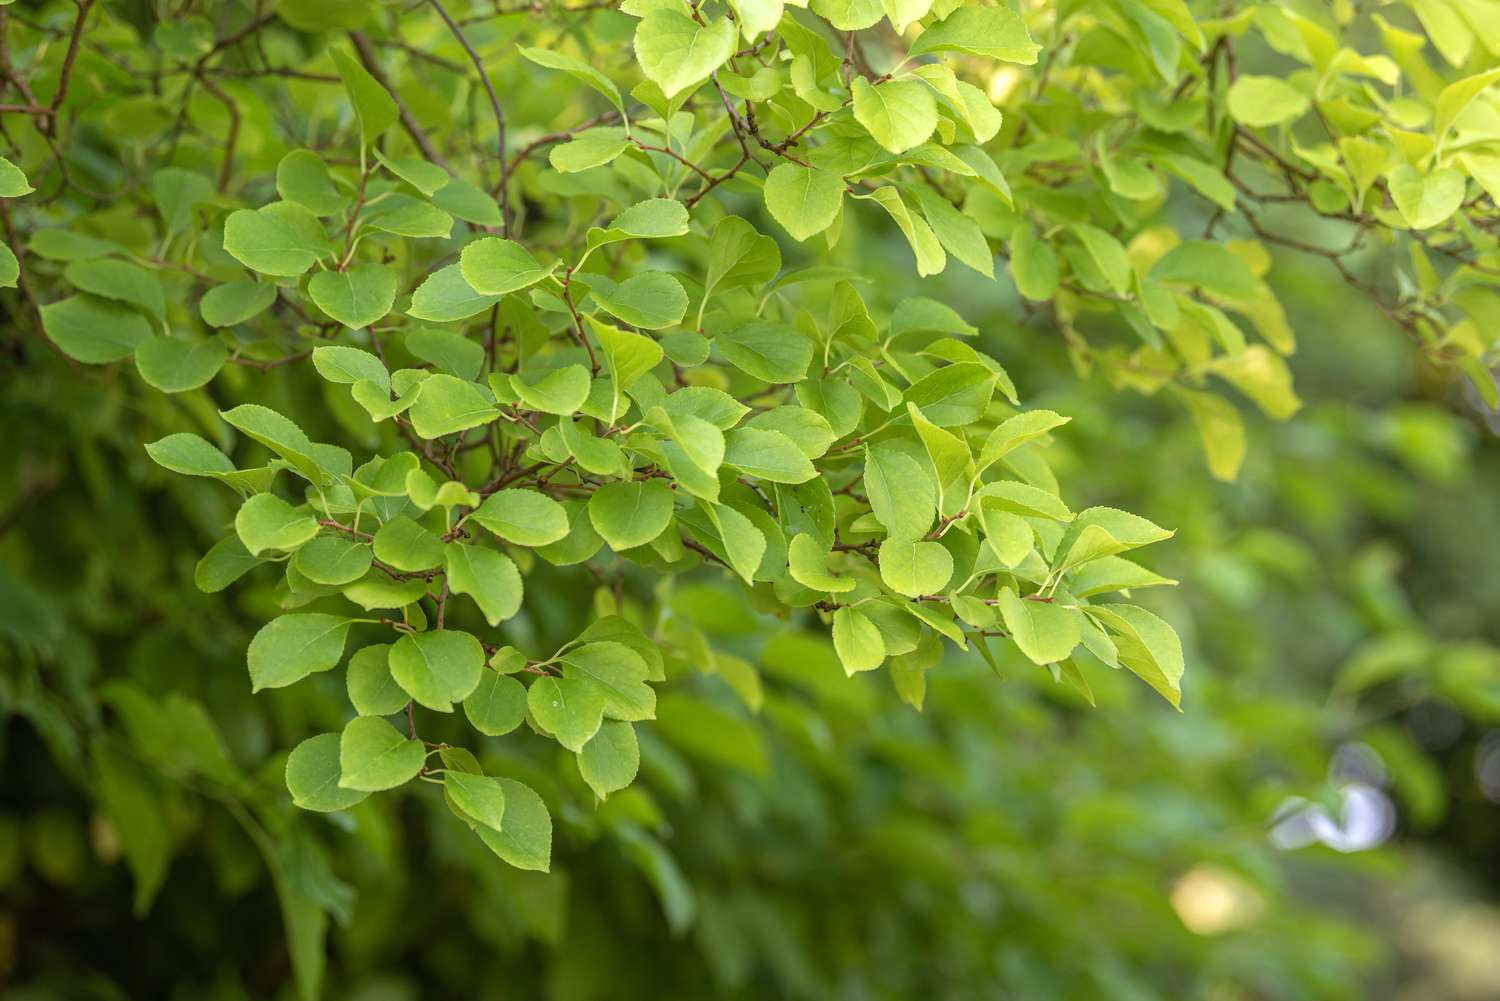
(227, 168)
(489, 88)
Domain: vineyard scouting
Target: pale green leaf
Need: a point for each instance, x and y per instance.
(437, 668)
(373, 756)
(290, 647)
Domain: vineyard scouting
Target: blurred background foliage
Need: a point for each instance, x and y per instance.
(1319, 822)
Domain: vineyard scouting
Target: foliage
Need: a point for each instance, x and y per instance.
(537, 385)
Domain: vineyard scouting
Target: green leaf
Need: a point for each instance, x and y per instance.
(373, 756)
(190, 455)
(265, 521)
(403, 215)
(693, 442)
(1222, 431)
(175, 365)
(1263, 101)
(226, 562)
(899, 114)
(379, 591)
(578, 70)
(373, 106)
(447, 352)
(496, 267)
(347, 366)
(1107, 254)
(915, 568)
(611, 758)
(570, 709)
(649, 300)
(303, 177)
(1008, 534)
(807, 562)
(744, 544)
(468, 202)
(952, 463)
(478, 796)
(985, 168)
(178, 192)
(1263, 376)
(953, 396)
(630, 514)
(1045, 632)
(769, 351)
(447, 296)
(406, 545)
(1456, 97)
(372, 690)
(526, 841)
(1209, 181)
(58, 244)
(627, 355)
(10, 268)
(654, 218)
(809, 430)
(1033, 265)
(993, 32)
(282, 239)
(312, 776)
(768, 455)
(804, 201)
(959, 234)
(357, 297)
(713, 405)
(590, 149)
(1111, 573)
(136, 813)
(925, 245)
(92, 330)
(849, 15)
(1147, 646)
(447, 405)
(902, 495)
(287, 440)
(524, 517)
(738, 256)
(437, 668)
(235, 302)
(1209, 266)
(490, 578)
(677, 53)
(427, 178)
(290, 647)
(857, 641)
(561, 391)
(1024, 499)
(119, 280)
(1013, 432)
(497, 706)
(1426, 200)
(618, 673)
(1104, 531)
(13, 183)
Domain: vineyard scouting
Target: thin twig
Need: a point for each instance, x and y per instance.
(489, 88)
